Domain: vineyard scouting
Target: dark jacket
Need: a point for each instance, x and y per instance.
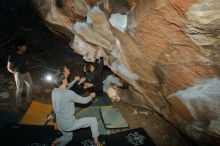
(95, 77)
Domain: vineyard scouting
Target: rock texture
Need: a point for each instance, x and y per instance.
(54, 17)
(168, 51)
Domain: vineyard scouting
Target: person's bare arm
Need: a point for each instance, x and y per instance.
(82, 80)
(10, 67)
(87, 85)
(76, 79)
(83, 100)
(98, 71)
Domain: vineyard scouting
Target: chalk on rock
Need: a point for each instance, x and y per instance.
(119, 21)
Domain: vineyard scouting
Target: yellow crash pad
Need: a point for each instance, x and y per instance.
(37, 114)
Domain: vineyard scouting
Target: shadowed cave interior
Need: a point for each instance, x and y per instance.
(166, 55)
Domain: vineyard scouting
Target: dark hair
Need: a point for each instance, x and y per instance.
(87, 67)
(58, 78)
(20, 42)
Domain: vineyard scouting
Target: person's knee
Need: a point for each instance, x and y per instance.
(83, 79)
(19, 90)
(28, 80)
(93, 120)
(29, 84)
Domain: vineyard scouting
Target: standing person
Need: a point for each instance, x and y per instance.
(63, 104)
(18, 65)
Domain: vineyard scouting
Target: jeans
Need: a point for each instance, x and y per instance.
(110, 80)
(20, 79)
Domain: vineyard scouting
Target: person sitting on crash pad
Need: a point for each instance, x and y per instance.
(63, 105)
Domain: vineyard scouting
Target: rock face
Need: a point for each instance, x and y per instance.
(53, 15)
(168, 51)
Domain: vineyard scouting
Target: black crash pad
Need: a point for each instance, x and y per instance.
(26, 135)
(134, 137)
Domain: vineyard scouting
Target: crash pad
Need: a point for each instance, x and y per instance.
(14, 134)
(7, 117)
(133, 137)
(37, 114)
(92, 112)
(112, 118)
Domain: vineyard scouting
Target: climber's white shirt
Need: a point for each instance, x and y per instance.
(63, 105)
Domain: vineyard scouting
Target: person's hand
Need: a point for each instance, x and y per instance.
(93, 95)
(83, 79)
(77, 78)
(87, 85)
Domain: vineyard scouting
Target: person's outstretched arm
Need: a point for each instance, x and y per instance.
(10, 67)
(83, 100)
(70, 85)
(10, 64)
(100, 67)
(96, 63)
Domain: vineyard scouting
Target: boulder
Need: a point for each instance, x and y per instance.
(168, 51)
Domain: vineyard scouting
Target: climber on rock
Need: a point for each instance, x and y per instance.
(93, 73)
(63, 104)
